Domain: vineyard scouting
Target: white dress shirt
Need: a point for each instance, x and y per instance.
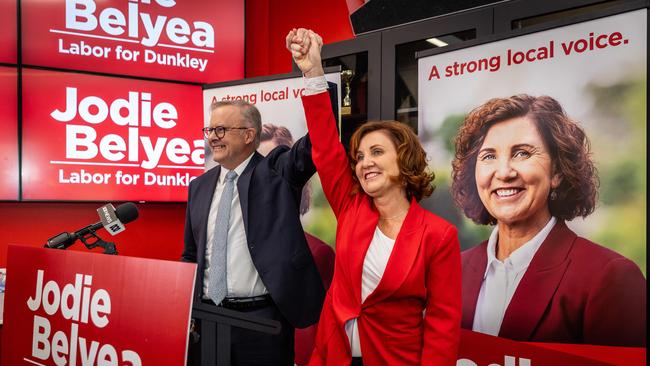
(241, 275)
(501, 280)
(374, 265)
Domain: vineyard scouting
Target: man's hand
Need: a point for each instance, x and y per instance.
(305, 47)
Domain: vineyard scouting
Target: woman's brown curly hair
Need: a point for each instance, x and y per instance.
(411, 157)
(565, 140)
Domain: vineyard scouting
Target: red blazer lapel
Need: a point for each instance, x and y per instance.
(474, 262)
(400, 262)
(538, 285)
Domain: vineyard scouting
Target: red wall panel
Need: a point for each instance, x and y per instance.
(8, 24)
(9, 134)
(268, 22)
(157, 233)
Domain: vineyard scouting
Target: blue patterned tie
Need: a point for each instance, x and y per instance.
(218, 283)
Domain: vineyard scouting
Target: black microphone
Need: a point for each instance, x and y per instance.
(112, 219)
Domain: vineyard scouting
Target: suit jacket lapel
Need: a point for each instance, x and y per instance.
(473, 272)
(538, 285)
(206, 193)
(402, 257)
(243, 184)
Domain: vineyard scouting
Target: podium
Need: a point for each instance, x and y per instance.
(63, 305)
(70, 307)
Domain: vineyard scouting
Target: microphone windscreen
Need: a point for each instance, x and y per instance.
(126, 212)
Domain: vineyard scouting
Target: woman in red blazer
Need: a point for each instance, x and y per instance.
(525, 166)
(395, 296)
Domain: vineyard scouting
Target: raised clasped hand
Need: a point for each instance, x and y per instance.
(305, 47)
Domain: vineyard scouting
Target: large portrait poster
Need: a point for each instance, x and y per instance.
(89, 138)
(197, 41)
(282, 113)
(512, 115)
(597, 71)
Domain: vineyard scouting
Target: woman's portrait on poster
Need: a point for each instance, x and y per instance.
(522, 164)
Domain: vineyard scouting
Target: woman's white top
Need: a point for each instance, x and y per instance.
(374, 266)
(502, 278)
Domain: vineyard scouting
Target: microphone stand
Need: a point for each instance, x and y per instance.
(87, 235)
(109, 247)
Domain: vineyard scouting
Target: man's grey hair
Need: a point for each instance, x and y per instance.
(249, 112)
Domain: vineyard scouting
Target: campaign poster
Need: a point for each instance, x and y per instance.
(509, 114)
(9, 136)
(197, 41)
(76, 308)
(98, 138)
(597, 71)
(279, 103)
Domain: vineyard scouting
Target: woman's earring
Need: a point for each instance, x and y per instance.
(553, 195)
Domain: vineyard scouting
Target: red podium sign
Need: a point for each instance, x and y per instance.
(75, 308)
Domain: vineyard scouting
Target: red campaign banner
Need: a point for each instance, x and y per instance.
(9, 135)
(478, 349)
(199, 41)
(620, 356)
(8, 30)
(97, 138)
(74, 308)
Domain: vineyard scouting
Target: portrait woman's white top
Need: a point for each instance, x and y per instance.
(501, 279)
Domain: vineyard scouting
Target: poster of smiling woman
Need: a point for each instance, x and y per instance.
(538, 144)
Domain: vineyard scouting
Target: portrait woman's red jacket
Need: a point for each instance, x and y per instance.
(574, 291)
(413, 316)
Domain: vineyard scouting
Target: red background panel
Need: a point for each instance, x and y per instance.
(44, 44)
(46, 170)
(8, 134)
(157, 233)
(269, 21)
(8, 29)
